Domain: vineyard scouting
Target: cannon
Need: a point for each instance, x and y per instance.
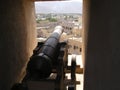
(47, 67)
(40, 64)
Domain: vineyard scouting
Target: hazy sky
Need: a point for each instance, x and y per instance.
(71, 6)
(76, 0)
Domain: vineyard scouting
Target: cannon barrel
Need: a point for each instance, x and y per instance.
(40, 65)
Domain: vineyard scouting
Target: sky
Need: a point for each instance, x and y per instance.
(75, 0)
(71, 6)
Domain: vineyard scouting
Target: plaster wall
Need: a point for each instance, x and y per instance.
(85, 25)
(17, 39)
(102, 45)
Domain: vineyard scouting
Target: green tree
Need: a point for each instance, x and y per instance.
(52, 19)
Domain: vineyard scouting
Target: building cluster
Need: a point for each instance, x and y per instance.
(72, 24)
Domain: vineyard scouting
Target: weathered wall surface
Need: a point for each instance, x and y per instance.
(85, 25)
(102, 55)
(17, 39)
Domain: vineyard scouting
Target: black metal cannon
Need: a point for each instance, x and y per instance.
(44, 57)
(48, 66)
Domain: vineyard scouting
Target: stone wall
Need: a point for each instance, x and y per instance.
(17, 39)
(102, 45)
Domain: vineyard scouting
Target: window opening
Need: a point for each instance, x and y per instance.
(68, 14)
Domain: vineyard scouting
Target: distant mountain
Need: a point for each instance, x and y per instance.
(58, 7)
